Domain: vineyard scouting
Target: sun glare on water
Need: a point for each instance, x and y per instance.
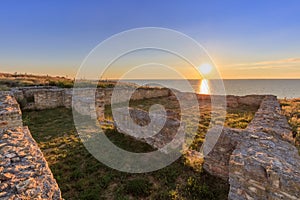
(204, 87)
(204, 69)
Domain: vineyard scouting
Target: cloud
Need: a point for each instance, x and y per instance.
(273, 64)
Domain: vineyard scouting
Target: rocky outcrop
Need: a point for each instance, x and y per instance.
(24, 173)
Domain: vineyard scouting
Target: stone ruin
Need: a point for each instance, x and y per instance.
(24, 172)
(260, 162)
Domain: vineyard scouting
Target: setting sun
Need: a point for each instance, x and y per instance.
(205, 69)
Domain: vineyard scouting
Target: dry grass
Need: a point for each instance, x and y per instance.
(291, 109)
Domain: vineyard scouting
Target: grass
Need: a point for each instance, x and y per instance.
(291, 109)
(81, 176)
(4, 87)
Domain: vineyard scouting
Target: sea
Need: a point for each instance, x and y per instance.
(282, 88)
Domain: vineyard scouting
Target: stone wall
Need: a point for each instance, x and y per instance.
(10, 113)
(85, 105)
(156, 130)
(217, 161)
(264, 167)
(261, 161)
(51, 97)
(24, 172)
(249, 100)
(139, 94)
(232, 101)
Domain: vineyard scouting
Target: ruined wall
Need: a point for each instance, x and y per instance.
(51, 97)
(231, 100)
(48, 99)
(165, 129)
(24, 173)
(139, 94)
(10, 113)
(217, 161)
(264, 167)
(261, 161)
(249, 100)
(85, 105)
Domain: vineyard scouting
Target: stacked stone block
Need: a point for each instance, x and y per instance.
(24, 172)
(261, 161)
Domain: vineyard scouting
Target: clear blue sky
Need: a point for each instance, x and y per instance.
(247, 39)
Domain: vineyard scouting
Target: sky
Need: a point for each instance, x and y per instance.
(245, 39)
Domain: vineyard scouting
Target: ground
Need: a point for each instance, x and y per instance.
(80, 176)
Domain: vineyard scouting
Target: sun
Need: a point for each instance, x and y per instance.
(205, 69)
